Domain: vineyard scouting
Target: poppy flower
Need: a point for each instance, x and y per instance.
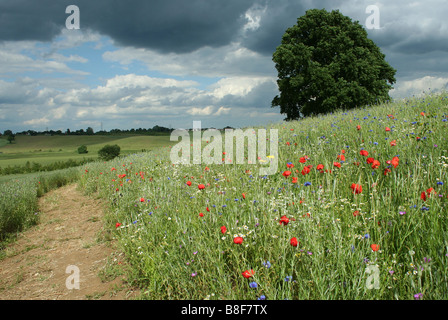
(337, 164)
(356, 188)
(238, 240)
(201, 214)
(223, 229)
(284, 220)
(387, 129)
(341, 157)
(386, 171)
(358, 127)
(375, 247)
(294, 242)
(286, 173)
(289, 165)
(375, 164)
(294, 179)
(305, 170)
(364, 153)
(370, 160)
(303, 159)
(188, 183)
(320, 167)
(356, 213)
(244, 196)
(142, 199)
(201, 186)
(395, 161)
(248, 273)
(208, 210)
(117, 224)
(393, 143)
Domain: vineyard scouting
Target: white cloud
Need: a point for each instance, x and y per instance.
(34, 122)
(419, 86)
(201, 111)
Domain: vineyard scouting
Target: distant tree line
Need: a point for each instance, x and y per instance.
(156, 130)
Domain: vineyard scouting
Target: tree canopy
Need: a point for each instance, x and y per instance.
(325, 63)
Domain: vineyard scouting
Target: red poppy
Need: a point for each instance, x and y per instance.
(375, 164)
(286, 173)
(117, 224)
(320, 167)
(393, 143)
(208, 210)
(248, 273)
(201, 186)
(294, 179)
(375, 247)
(238, 240)
(294, 242)
(337, 164)
(395, 161)
(364, 153)
(303, 159)
(370, 160)
(289, 165)
(244, 196)
(305, 170)
(342, 151)
(387, 129)
(284, 220)
(358, 127)
(356, 213)
(223, 229)
(423, 196)
(201, 214)
(142, 199)
(341, 157)
(356, 188)
(386, 171)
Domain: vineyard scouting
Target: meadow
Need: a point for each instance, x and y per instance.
(356, 211)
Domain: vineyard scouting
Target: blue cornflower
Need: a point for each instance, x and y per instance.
(267, 264)
(288, 278)
(253, 284)
(262, 297)
(307, 184)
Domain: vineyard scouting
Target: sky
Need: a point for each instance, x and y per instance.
(141, 63)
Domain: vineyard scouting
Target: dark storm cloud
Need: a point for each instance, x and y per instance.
(279, 16)
(163, 25)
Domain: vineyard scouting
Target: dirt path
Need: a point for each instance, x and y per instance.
(70, 233)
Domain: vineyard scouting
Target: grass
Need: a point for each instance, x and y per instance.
(386, 233)
(393, 232)
(48, 149)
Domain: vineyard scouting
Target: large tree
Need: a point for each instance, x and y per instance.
(326, 62)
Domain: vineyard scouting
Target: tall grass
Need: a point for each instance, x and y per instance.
(176, 253)
(19, 198)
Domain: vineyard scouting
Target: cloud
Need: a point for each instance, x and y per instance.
(419, 86)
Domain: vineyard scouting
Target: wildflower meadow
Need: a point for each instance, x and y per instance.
(356, 210)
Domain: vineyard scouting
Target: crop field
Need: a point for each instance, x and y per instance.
(48, 149)
(357, 209)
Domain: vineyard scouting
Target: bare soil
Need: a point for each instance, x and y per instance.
(70, 233)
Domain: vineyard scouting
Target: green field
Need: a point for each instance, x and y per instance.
(48, 149)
